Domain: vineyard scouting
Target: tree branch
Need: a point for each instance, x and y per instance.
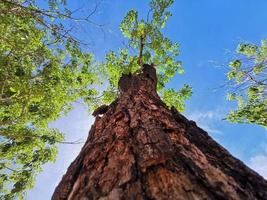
(140, 57)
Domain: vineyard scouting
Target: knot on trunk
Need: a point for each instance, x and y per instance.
(146, 80)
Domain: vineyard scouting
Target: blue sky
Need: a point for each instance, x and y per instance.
(207, 31)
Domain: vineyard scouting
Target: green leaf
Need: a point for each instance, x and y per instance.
(236, 64)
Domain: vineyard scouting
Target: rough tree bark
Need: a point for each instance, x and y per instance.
(140, 149)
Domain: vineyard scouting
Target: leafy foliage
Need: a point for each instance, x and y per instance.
(42, 71)
(177, 99)
(150, 46)
(248, 74)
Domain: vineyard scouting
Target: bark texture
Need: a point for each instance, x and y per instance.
(140, 149)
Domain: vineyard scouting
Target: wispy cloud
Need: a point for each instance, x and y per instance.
(259, 163)
(207, 120)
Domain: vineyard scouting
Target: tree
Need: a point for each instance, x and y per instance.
(42, 71)
(248, 74)
(142, 148)
(145, 38)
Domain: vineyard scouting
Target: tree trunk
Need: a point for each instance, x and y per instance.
(140, 149)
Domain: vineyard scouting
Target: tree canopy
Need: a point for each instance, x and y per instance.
(248, 74)
(146, 44)
(43, 70)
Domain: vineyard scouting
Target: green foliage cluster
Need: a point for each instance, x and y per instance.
(248, 74)
(177, 98)
(42, 72)
(149, 45)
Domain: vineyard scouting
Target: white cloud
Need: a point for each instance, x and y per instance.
(203, 115)
(207, 120)
(259, 163)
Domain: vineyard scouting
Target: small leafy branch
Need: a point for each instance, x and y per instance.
(248, 73)
(146, 38)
